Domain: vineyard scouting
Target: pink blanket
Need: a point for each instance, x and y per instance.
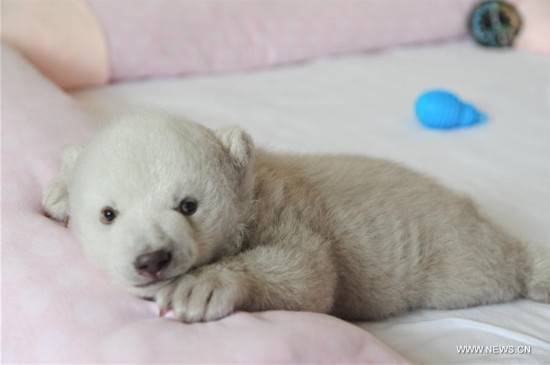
(57, 308)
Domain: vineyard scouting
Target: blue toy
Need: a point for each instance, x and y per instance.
(439, 109)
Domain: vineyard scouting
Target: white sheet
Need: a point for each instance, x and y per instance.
(364, 104)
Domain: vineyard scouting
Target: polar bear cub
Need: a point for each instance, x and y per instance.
(206, 224)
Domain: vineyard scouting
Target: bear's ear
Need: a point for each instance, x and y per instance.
(55, 198)
(237, 143)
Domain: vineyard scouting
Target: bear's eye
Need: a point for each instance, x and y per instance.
(107, 215)
(188, 206)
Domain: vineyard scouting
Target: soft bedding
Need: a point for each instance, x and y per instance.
(78, 43)
(164, 37)
(57, 308)
(364, 105)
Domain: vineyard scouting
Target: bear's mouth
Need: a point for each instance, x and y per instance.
(157, 281)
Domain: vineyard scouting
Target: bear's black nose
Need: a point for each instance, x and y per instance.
(152, 263)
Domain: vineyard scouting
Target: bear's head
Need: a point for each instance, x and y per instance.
(153, 196)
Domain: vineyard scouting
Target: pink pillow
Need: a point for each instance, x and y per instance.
(164, 37)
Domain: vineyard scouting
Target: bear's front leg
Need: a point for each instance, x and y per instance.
(298, 277)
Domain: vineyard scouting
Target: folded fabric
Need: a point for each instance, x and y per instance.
(79, 43)
(163, 38)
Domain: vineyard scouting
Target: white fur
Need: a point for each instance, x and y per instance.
(357, 237)
(56, 195)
